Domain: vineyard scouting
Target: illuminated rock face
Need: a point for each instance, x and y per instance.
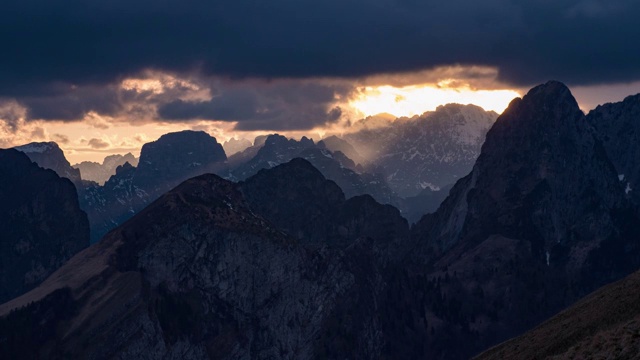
(429, 151)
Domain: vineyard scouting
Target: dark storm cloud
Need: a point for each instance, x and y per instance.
(72, 103)
(94, 42)
(276, 106)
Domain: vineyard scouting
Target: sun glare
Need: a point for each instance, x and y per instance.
(415, 100)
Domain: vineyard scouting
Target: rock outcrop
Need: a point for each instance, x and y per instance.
(163, 164)
(49, 156)
(42, 225)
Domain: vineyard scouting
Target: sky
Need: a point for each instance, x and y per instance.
(102, 77)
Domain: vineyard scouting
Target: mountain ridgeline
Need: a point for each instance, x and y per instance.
(163, 164)
(292, 259)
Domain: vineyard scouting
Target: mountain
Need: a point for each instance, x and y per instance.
(426, 202)
(334, 144)
(297, 198)
(100, 173)
(200, 273)
(618, 125)
(540, 221)
(234, 145)
(42, 225)
(276, 150)
(163, 164)
(428, 151)
(283, 265)
(604, 325)
(335, 166)
(49, 156)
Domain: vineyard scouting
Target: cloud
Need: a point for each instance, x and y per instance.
(61, 43)
(98, 143)
(279, 105)
(38, 133)
(60, 138)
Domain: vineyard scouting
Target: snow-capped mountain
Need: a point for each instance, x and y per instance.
(428, 151)
(49, 156)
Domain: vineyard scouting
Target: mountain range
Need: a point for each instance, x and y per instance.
(428, 151)
(101, 172)
(285, 259)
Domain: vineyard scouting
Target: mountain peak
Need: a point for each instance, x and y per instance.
(49, 156)
(550, 93)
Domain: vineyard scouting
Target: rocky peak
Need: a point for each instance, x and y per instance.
(177, 156)
(234, 145)
(428, 151)
(42, 225)
(126, 167)
(49, 156)
(539, 172)
(100, 173)
(618, 127)
(297, 198)
(335, 143)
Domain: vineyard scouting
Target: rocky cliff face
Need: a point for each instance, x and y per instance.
(233, 145)
(335, 166)
(42, 225)
(618, 126)
(297, 198)
(535, 225)
(49, 156)
(163, 164)
(281, 265)
(200, 273)
(430, 151)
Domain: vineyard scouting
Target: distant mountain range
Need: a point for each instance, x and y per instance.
(100, 173)
(428, 151)
(292, 259)
(163, 164)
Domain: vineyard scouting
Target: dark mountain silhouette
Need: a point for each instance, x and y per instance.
(49, 156)
(42, 225)
(163, 164)
(297, 198)
(101, 172)
(200, 273)
(535, 226)
(618, 125)
(426, 202)
(335, 166)
(284, 265)
(604, 325)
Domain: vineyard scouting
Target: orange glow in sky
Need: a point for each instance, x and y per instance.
(415, 100)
